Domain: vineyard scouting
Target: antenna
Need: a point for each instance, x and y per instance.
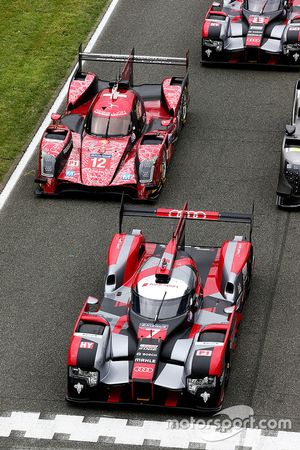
(158, 311)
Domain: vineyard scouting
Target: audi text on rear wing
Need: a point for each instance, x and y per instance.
(186, 214)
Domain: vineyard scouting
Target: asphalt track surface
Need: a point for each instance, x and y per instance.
(53, 251)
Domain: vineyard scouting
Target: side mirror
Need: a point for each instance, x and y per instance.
(55, 117)
(290, 130)
(133, 135)
(172, 139)
(229, 310)
(166, 122)
(92, 304)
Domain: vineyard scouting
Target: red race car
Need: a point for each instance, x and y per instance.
(166, 328)
(115, 136)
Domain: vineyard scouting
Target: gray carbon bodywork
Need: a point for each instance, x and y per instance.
(288, 189)
(131, 345)
(229, 32)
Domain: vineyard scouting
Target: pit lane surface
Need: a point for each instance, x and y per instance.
(53, 252)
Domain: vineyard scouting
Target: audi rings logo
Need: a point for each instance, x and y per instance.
(143, 369)
(189, 214)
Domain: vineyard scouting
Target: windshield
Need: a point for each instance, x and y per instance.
(108, 126)
(148, 307)
(259, 6)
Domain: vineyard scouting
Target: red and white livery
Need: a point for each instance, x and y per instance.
(114, 137)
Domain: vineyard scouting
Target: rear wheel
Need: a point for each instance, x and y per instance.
(227, 371)
(162, 179)
(182, 112)
(249, 268)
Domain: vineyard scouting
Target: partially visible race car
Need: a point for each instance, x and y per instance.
(288, 189)
(166, 328)
(252, 31)
(117, 136)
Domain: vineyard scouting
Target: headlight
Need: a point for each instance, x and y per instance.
(217, 45)
(47, 165)
(91, 377)
(193, 384)
(146, 170)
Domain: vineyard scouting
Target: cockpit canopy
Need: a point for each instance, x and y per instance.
(151, 308)
(262, 6)
(111, 125)
(151, 299)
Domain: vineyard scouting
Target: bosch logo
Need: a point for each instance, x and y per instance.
(143, 369)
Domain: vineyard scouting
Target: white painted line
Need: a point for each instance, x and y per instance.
(158, 433)
(56, 105)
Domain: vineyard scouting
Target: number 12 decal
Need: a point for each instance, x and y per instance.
(100, 163)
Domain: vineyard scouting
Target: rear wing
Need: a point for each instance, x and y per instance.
(129, 60)
(186, 214)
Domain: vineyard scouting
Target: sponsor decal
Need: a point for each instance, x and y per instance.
(108, 112)
(99, 161)
(73, 163)
(145, 360)
(69, 173)
(203, 352)
(100, 155)
(205, 395)
(126, 176)
(78, 387)
(143, 369)
(87, 345)
(152, 347)
(67, 148)
(152, 331)
(165, 287)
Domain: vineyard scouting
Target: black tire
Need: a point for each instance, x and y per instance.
(155, 194)
(227, 369)
(182, 112)
(250, 263)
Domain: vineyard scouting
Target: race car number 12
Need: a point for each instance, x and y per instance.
(100, 163)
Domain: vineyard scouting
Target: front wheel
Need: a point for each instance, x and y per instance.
(162, 179)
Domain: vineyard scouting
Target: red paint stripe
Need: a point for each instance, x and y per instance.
(144, 274)
(73, 350)
(194, 330)
(115, 248)
(240, 256)
(211, 286)
(119, 325)
(216, 366)
(172, 399)
(114, 395)
(185, 262)
(205, 29)
(95, 319)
